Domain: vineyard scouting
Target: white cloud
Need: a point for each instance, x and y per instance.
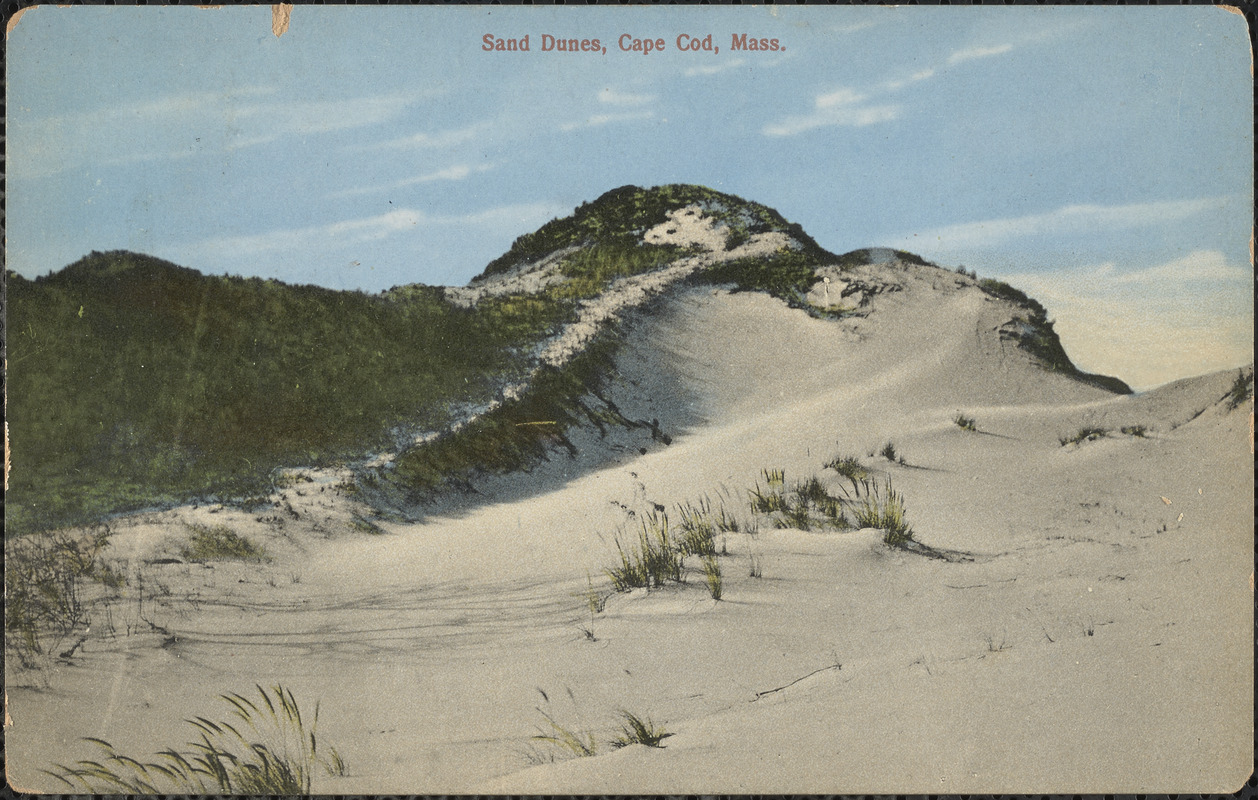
(900, 83)
(456, 172)
(839, 97)
(1197, 266)
(431, 139)
(972, 53)
(855, 27)
(369, 229)
(841, 107)
(183, 125)
(598, 120)
(714, 69)
(1083, 218)
(615, 98)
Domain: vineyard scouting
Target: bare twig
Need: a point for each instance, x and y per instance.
(797, 680)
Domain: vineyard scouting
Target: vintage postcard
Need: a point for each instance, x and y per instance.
(680, 400)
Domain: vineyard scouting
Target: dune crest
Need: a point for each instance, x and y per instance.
(1072, 594)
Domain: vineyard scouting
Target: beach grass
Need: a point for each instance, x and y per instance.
(265, 747)
(635, 730)
(220, 543)
(880, 505)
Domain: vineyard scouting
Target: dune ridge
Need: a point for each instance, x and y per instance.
(1096, 638)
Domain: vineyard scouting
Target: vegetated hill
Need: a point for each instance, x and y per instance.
(136, 382)
(133, 381)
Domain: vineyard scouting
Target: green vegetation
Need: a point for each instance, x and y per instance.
(1086, 434)
(697, 529)
(880, 506)
(513, 436)
(712, 575)
(1033, 332)
(562, 739)
(635, 731)
(220, 543)
(569, 742)
(658, 554)
(965, 423)
(888, 452)
(264, 749)
(849, 467)
(1138, 431)
(364, 525)
(787, 275)
(1006, 292)
(628, 212)
(650, 561)
(590, 269)
(806, 506)
(134, 382)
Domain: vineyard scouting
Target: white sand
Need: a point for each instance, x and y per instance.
(1098, 642)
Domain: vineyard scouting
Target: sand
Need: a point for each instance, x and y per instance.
(1098, 639)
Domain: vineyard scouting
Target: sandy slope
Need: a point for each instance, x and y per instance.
(1100, 639)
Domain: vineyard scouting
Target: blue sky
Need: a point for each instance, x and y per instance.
(1099, 158)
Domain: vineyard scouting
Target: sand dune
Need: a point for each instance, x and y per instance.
(1097, 639)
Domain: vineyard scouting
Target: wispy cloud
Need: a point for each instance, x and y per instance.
(362, 230)
(714, 69)
(854, 27)
(1198, 266)
(617, 98)
(599, 120)
(456, 172)
(841, 107)
(1083, 218)
(852, 107)
(275, 121)
(972, 53)
(899, 83)
(184, 125)
(422, 140)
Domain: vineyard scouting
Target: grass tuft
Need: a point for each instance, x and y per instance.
(1086, 434)
(697, 529)
(46, 601)
(636, 731)
(808, 505)
(220, 543)
(1135, 430)
(265, 748)
(755, 566)
(712, 575)
(888, 452)
(965, 423)
(576, 743)
(650, 561)
(1242, 389)
(849, 467)
(880, 506)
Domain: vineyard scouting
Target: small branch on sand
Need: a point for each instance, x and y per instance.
(797, 680)
(68, 654)
(952, 556)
